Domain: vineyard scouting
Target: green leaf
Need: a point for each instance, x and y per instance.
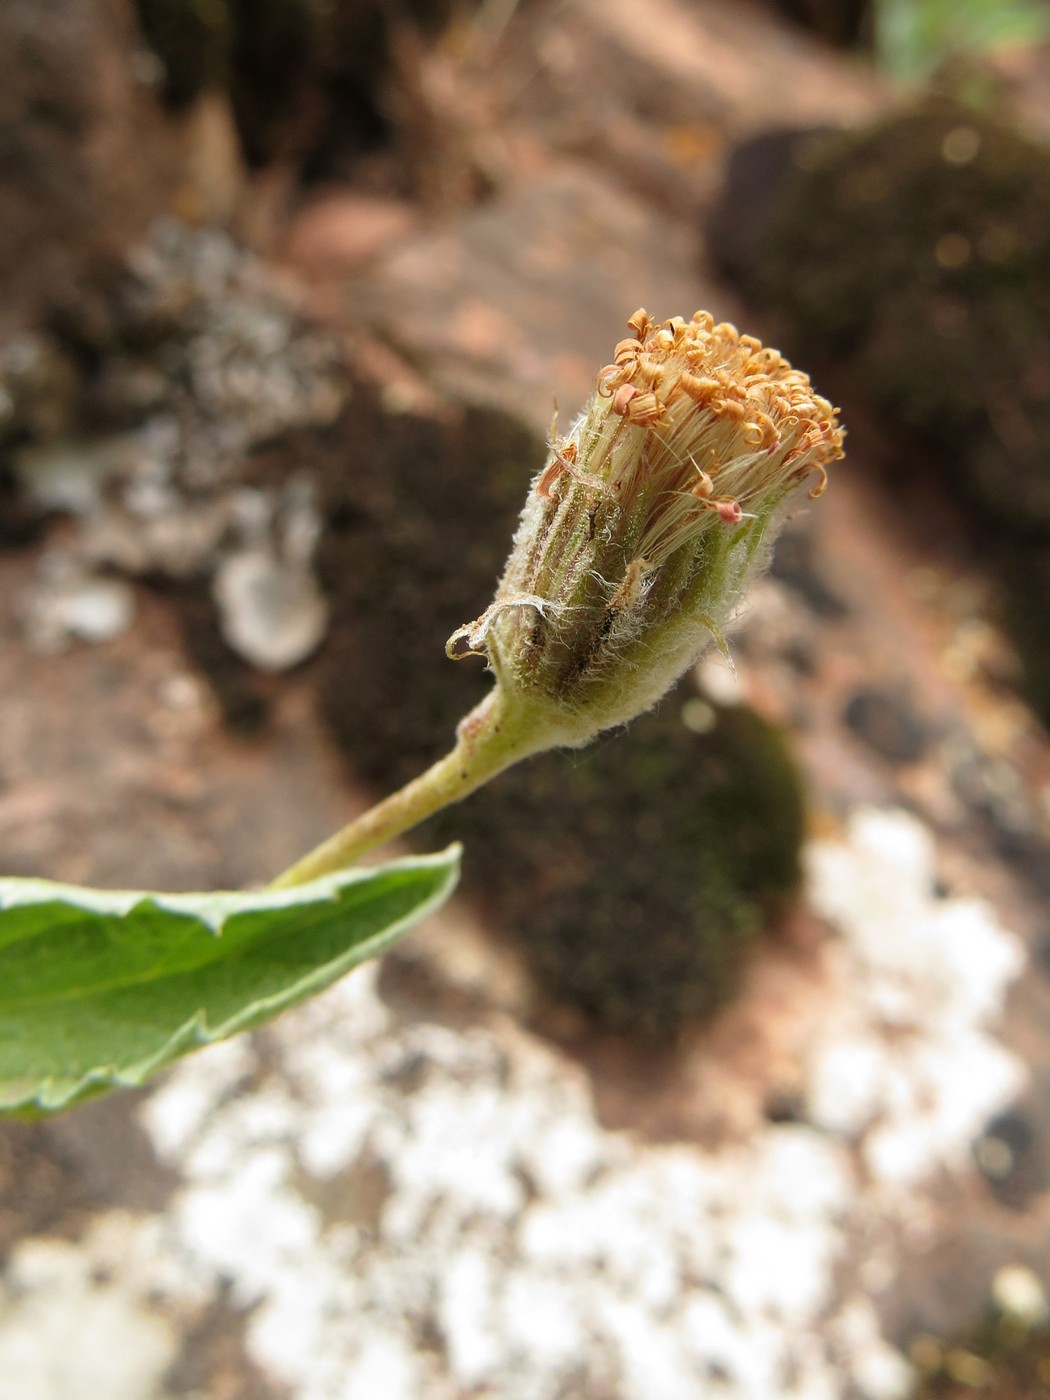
(100, 989)
(915, 36)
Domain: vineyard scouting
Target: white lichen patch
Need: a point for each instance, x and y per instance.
(507, 1233)
(72, 603)
(907, 1061)
(416, 1209)
(212, 357)
(71, 1330)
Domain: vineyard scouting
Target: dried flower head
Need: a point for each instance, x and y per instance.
(636, 542)
(649, 519)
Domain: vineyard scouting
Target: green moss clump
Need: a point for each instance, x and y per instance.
(916, 255)
(918, 252)
(636, 876)
(420, 512)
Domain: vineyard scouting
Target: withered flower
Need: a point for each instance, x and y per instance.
(647, 522)
(636, 543)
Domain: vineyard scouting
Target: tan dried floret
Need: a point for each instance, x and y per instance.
(713, 398)
(650, 516)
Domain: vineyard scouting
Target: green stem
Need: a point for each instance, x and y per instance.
(492, 737)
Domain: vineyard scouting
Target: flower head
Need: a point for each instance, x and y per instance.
(637, 540)
(648, 520)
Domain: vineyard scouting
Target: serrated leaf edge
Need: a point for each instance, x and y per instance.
(213, 910)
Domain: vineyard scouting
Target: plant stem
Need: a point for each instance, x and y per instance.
(492, 737)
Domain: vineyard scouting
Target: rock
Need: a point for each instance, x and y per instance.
(676, 81)
(794, 562)
(1019, 1294)
(1012, 1158)
(70, 604)
(69, 476)
(83, 147)
(58, 1341)
(339, 230)
(271, 612)
(40, 388)
(204, 358)
(888, 724)
(213, 171)
(523, 299)
(909, 1063)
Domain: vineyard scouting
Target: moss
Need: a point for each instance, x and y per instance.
(193, 39)
(634, 876)
(916, 254)
(1004, 1359)
(308, 79)
(419, 514)
(919, 251)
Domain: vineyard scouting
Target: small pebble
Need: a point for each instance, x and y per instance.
(888, 724)
(73, 605)
(271, 613)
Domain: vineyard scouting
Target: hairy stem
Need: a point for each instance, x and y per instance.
(492, 737)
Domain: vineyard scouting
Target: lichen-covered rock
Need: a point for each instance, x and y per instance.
(141, 413)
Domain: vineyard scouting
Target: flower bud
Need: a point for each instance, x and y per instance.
(647, 522)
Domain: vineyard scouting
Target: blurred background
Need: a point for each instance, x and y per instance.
(727, 1072)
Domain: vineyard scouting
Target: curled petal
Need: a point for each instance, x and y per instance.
(622, 398)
